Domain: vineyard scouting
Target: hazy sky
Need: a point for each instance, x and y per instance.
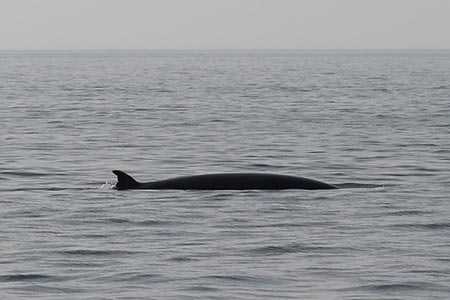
(229, 24)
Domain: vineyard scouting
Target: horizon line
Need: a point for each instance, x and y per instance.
(223, 49)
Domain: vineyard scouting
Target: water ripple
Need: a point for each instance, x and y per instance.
(29, 277)
(88, 252)
(427, 226)
(296, 248)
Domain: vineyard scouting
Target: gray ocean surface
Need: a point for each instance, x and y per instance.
(377, 122)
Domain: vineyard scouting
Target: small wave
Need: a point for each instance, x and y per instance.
(131, 277)
(181, 259)
(139, 277)
(292, 89)
(237, 278)
(436, 226)
(396, 287)
(154, 223)
(436, 273)
(29, 214)
(161, 90)
(288, 249)
(407, 213)
(295, 248)
(28, 277)
(41, 289)
(144, 223)
(442, 259)
(86, 252)
(352, 185)
(115, 221)
(376, 77)
(273, 225)
(429, 226)
(92, 236)
(267, 166)
(384, 90)
(28, 173)
(200, 288)
(221, 121)
(48, 189)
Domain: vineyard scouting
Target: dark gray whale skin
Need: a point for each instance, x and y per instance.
(224, 181)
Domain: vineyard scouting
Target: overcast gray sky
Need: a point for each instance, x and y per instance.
(224, 24)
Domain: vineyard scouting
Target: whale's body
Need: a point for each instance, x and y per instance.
(224, 181)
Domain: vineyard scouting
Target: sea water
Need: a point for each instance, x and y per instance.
(375, 121)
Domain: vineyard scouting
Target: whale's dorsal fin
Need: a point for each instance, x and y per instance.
(125, 181)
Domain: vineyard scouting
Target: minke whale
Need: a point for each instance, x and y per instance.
(224, 181)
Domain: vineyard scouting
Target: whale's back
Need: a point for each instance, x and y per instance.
(227, 181)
